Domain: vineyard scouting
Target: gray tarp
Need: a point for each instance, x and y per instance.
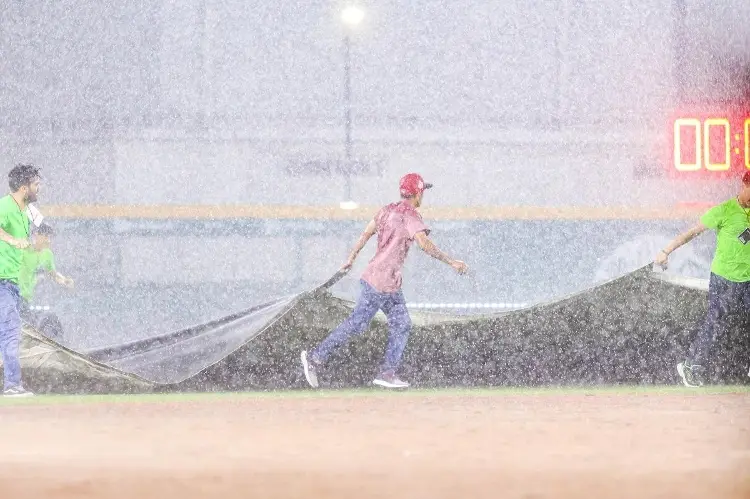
(632, 329)
(177, 356)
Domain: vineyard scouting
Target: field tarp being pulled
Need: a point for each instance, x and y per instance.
(632, 329)
(51, 368)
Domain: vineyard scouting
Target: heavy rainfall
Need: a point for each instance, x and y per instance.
(207, 167)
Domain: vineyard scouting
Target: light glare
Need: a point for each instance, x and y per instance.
(352, 15)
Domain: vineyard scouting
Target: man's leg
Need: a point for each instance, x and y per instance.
(399, 327)
(721, 297)
(367, 306)
(10, 338)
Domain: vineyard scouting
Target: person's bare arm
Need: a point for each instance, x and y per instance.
(18, 243)
(426, 244)
(369, 231)
(680, 240)
(62, 280)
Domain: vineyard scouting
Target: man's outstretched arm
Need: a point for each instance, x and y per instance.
(680, 240)
(426, 244)
(370, 230)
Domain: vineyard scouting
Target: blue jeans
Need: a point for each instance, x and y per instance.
(370, 301)
(725, 298)
(10, 333)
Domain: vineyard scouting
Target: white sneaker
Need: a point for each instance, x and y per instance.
(308, 365)
(690, 374)
(17, 391)
(389, 379)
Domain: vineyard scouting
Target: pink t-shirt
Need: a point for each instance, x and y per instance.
(397, 224)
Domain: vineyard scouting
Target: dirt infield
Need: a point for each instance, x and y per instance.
(394, 446)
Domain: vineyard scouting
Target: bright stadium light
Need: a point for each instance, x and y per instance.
(352, 15)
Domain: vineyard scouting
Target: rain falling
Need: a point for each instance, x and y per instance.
(313, 197)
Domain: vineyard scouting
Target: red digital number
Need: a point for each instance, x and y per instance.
(710, 143)
(716, 144)
(687, 144)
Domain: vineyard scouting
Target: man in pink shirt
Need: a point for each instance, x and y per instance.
(397, 226)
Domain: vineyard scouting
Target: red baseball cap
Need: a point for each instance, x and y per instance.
(412, 184)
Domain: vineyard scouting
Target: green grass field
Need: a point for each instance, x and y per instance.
(375, 392)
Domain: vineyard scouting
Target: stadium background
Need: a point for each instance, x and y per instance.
(194, 152)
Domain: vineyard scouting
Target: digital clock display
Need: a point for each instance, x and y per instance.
(711, 143)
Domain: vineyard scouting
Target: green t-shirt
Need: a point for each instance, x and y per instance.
(32, 263)
(732, 258)
(16, 223)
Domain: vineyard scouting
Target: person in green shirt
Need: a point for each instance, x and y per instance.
(39, 259)
(24, 182)
(729, 282)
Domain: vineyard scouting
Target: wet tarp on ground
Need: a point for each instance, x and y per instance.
(177, 356)
(52, 368)
(632, 329)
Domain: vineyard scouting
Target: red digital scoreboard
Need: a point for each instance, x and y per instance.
(711, 142)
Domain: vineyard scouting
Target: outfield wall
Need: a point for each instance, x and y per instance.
(138, 277)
